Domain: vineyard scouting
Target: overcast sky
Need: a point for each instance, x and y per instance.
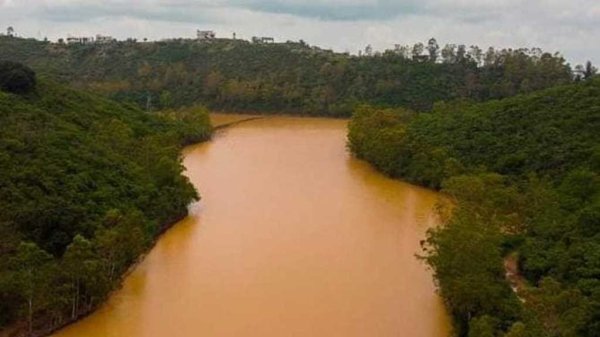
(569, 26)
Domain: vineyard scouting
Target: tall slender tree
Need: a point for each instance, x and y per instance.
(31, 265)
(590, 71)
(433, 49)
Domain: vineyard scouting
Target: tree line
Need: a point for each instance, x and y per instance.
(235, 75)
(77, 205)
(522, 176)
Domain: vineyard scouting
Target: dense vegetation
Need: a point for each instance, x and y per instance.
(523, 175)
(78, 205)
(86, 185)
(16, 78)
(289, 77)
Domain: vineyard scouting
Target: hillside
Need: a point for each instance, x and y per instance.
(548, 132)
(236, 75)
(77, 205)
(524, 174)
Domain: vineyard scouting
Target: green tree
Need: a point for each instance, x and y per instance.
(517, 330)
(466, 257)
(589, 71)
(484, 326)
(166, 99)
(16, 78)
(433, 49)
(561, 312)
(81, 266)
(32, 267)
(417, 50)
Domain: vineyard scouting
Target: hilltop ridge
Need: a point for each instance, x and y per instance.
(291, 77)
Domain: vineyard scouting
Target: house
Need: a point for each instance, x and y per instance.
(205, 35)
(263, 39)
(80, 40)
(102, 39)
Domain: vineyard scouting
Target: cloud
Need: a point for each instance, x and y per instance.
(345, 10)
(62, 11)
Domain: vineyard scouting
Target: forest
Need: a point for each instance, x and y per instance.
(510, 136)
(522, 177)
(292, 77)
(77, 205)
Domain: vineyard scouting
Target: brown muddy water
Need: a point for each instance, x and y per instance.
(292, 237)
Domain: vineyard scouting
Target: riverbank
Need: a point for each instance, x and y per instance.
(111, 200)
(518, 191)
(218, 121)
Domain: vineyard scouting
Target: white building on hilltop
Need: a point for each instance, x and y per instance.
(80, 40)
(263, 39)
(104, 39)
(205, 35)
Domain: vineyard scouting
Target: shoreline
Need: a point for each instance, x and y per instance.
(18, 329)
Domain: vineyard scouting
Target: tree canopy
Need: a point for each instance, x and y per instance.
(236, 75)
(77, 205)
(523, 175)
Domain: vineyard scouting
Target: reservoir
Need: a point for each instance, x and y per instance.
(292, 237)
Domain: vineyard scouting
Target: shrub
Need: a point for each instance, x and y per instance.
(16, 78)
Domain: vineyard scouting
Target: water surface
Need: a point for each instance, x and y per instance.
(292, 237)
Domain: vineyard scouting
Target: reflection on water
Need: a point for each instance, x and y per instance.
(292, 238)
